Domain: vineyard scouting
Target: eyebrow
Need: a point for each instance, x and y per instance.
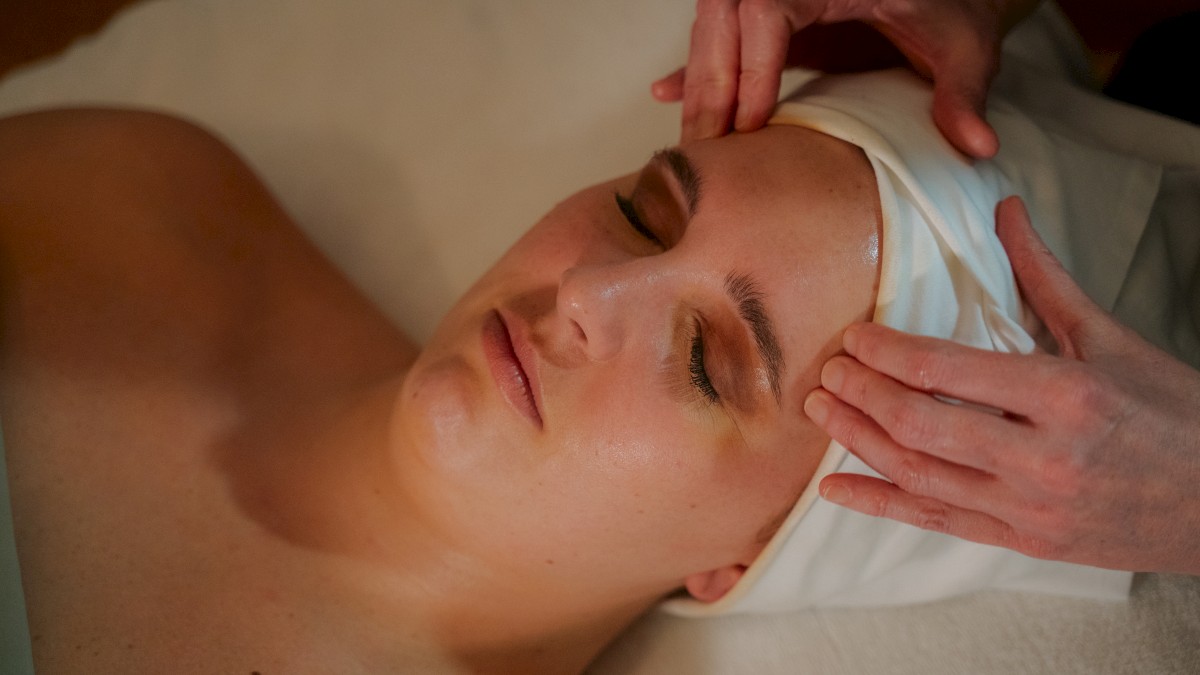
(745, 293)
(685, 174)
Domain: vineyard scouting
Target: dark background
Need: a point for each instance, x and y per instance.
(33, 29)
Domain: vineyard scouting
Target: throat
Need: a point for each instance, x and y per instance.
(316, 471)
(329, 479)
(522, 640)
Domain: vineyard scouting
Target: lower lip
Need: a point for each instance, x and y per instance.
(506, 368)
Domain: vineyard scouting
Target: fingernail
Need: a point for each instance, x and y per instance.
(838, 494)
(816, 406)
(850, 339)
(833, 375)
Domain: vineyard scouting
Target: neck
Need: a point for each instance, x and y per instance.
(325, 476)
(495, 616)
(503, 629)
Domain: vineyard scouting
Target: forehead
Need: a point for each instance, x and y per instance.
(783, 186)
(798, 211)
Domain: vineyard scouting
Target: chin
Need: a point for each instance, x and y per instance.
(453, 421)
(441, 407)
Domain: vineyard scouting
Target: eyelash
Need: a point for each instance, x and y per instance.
(696, 371)
(697, 375)
(626, 206)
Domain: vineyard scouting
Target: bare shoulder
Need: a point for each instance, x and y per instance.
(142, 261)
(131, 226)
(150, 287)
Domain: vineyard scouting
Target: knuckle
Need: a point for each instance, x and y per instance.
(909, 473)
(1063, 476)
(849, 430)
(1048, 527)
(1088, 404)
(1036, 547)
(856, 386)
(1041, 531)
(907, 422)
(925, 368)
(753, 9)
(877, 504)
(933, 516)
(711, 89)
(1052, 524)
(1058, 473)
(750, 80)
(1104, 400)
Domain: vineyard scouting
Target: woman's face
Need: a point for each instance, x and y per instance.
(621, 393)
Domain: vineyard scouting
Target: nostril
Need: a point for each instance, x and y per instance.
(589, 302)
(579, 330)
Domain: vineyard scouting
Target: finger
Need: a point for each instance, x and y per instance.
(960, 55)
(960, 87)
(958, 114)
(994, 379)
(764, 46)
(669, 89)
(710, 87)
(875, 497)
(1065, 309)
(916, 420)
(915, 472)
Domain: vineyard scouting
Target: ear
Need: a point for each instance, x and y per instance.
(712, 585)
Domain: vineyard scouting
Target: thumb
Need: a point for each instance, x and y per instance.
(960, 88)
(669, 89)
(1062, 306)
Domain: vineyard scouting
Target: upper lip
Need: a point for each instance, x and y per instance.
(518, 335)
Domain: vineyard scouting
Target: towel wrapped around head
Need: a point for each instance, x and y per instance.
(944, 273)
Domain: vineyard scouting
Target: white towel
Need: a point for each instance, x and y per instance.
(945, 274)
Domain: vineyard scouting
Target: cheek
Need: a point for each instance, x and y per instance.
(622, 434)
(627, 438)
(660, 470)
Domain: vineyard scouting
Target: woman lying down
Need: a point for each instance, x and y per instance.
(222, 458)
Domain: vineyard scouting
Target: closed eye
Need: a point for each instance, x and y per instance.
(635, 221)
(698, 374)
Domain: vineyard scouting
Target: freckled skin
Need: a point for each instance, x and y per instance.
(769, 200)
(278, 457)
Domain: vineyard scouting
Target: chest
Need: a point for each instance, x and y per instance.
(114, 404)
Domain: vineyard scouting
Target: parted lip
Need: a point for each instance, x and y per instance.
(513, 363)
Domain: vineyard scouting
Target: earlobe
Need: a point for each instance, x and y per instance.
(712, 585)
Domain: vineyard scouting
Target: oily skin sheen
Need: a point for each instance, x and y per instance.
(633, 448)
(281, 463)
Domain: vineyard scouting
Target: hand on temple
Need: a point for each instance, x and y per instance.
(1095, 460)
(739, 48)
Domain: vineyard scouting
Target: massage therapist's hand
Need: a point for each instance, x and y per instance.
(739, 48)
(1095, 460)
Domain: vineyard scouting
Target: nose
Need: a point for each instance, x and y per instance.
(599, 303)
